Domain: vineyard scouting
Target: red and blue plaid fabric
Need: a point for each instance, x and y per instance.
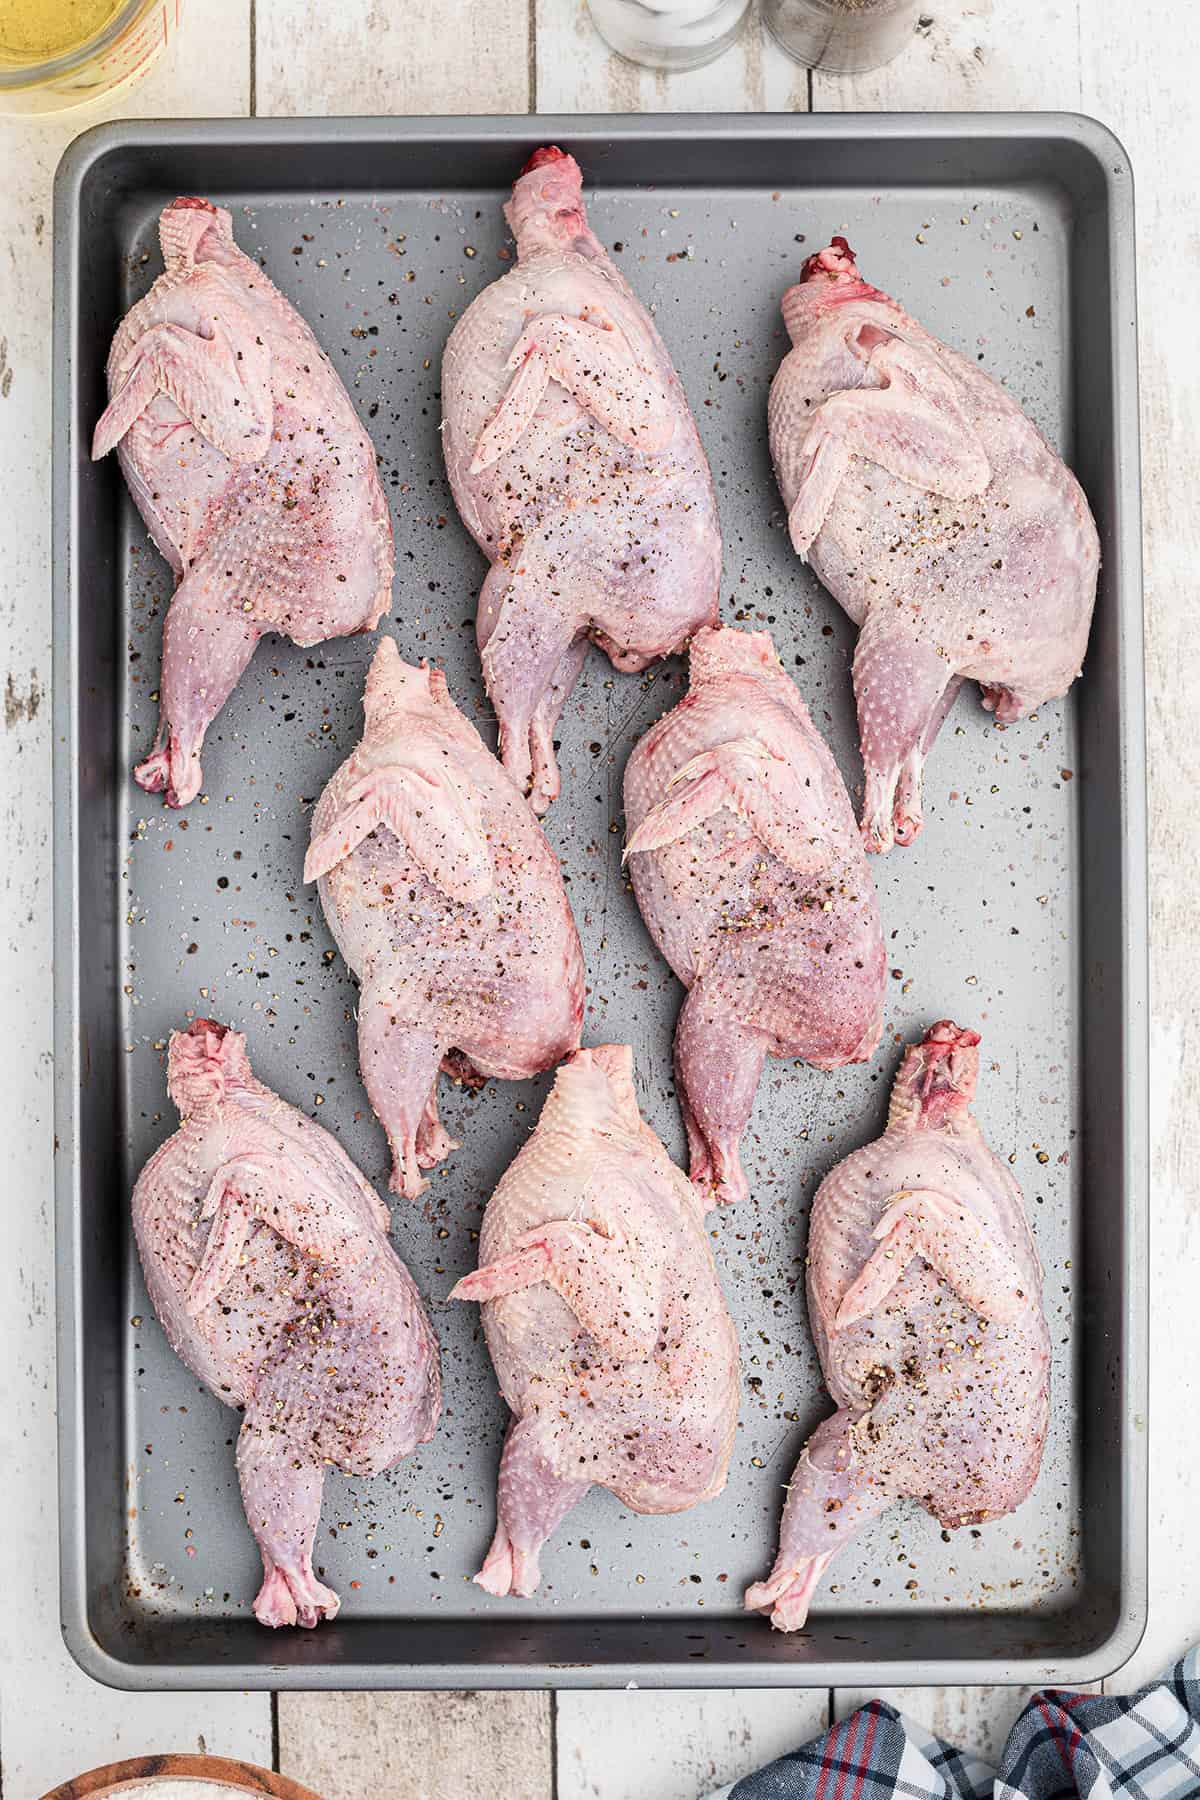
(1143, 1746)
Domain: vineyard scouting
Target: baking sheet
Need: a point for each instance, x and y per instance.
(1020, 910)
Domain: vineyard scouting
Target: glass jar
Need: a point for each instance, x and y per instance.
(844, 37)
(669, 34)
(45, 66)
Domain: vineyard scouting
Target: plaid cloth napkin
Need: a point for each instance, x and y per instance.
(1144, 1746)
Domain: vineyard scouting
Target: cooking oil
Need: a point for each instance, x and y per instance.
(57, 53)
(40, 31)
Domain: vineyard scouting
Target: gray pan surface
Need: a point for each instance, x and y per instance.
(1020, 911)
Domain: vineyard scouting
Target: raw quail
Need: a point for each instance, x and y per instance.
(925, 1300)
(448, 904)
(936, 514)
(605, 1320)
(248, 464)
(267, 1261)
(576, 466)
(753, 882)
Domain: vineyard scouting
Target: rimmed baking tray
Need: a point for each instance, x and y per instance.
(1022, 910)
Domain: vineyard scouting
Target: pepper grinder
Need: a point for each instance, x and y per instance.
(844, 37)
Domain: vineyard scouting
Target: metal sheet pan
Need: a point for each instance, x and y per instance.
(1022, 910)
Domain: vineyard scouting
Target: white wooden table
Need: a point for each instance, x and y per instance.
(1136, 66)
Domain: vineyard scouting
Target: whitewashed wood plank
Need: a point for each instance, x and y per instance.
(1141, 75)
(974, 58)
(54, 1721)
(435, 1746)
(673, 1745)
(576, 72)
(425, 56)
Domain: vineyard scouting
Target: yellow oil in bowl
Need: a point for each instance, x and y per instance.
(38, 31)
(58, 53)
